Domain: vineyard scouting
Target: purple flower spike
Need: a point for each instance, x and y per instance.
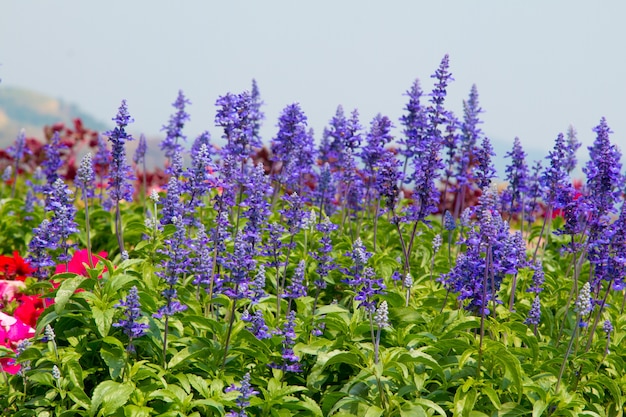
(132, 313)
(121, 174)
(174, 129)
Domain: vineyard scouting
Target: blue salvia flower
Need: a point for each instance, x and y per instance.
(56, 373)
(297, 288)
(571, 146)
(7, 174)
(20, 348)
(291, 139)
(607, 327)
(176, 265)
(448, 221)
(85, 176)
(381, 318)
(359, 256)
(121, 174)
(513, 197)
(538, 278)
(323, 256)
(533, 194)
(235, 116)
(130, 324)
(101, 164)
(415, 123)
(325, 191)
(584, 303)
(256, 115)
(257, 287)
(257, 207)
(485, 171)
(470, 135)
(243, 401)
(42, 242)
(290, 361)
(203, 138)
(240, 263)
(201, 266)
(387, 179)
(369, 286)
(140, 153)
(376, 139)
(200, 180)
(29, 204)
(605, 182)
(554, 178)
(17, 152)
(174, 129)
(53, 161)
(534, 315)
(256, 324)
(62, 223)
(173, 208)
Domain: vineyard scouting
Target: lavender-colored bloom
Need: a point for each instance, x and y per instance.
(436, 112)
(291, 361)
(323, 256)
(203, 139)
(29, 204)
(132, 313)
(257, 207)
(387, 178)
(121, 174)
(485, 171)
(291, 138)
(245, 393)
(201, 267)
(470, 135)
(448, 221)
(538, 278)
(256, 324)
(42, 242)
(437, 241)
(345, 135)
(534, 315)
(53, 161)
(381, 317)
(175, 266)
(414, 121)
(425, 193)
(140, 153)
(377, 138)
(368, 287)
(7, 173)
(173, 208)
(85, 176)
(583, 304)
(297, 288)
(325, 191)
(200, 180)
(256, 115)
(534, 193)
(235, 116)
(517, 176)
(19, 149)
(174, 129)
(240, 263)
(554, 178)
(62, 223)
(605, 182)
(571, 146)
(293, 213)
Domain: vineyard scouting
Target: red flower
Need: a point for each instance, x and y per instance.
(14, 268)
(30, 308)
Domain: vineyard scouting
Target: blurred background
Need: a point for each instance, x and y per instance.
(539, 66)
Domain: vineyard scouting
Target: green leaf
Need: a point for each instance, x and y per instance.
(108, 397)
(310, 405)
(65, 291)
(430, 404)
(103, 319)
(137, 411)
(374, 411)
(114, 359)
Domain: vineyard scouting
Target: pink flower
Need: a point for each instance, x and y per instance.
(12, 331)
(9, 290)
(78, 262)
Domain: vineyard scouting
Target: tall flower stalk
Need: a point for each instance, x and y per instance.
(120, 186)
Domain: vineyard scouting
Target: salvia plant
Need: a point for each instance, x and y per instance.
(382, 271)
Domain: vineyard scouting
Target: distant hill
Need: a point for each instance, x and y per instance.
(22, 108)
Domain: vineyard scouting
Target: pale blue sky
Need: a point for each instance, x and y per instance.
(539, 65)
